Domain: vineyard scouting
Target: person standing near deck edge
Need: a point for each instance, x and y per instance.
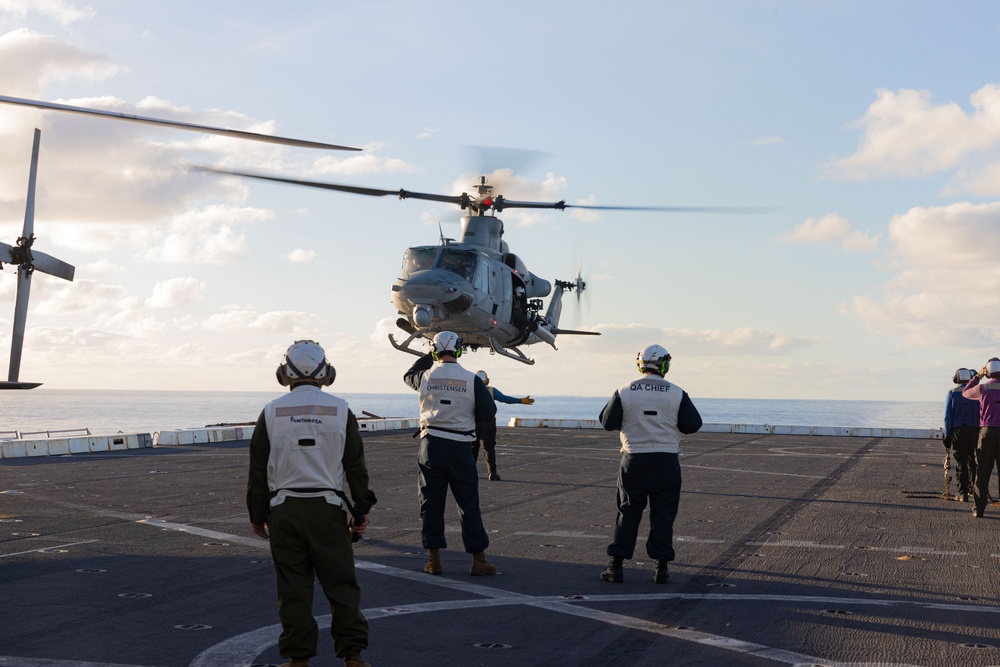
(988, 447)
(452, 400)
(651, 415)
(304, 445)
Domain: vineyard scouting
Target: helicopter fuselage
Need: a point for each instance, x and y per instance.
(476, 288)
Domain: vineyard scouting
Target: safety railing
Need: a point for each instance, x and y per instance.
(21, 435)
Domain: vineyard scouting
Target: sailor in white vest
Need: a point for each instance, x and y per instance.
(651, 415)
(304, 446)
(452, 400)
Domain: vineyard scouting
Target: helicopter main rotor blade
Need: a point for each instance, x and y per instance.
(562, 205)
(354, 189)
(207, 129)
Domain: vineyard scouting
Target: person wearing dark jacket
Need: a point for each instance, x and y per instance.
(305, 445)
(651, 414)
(961, 431)
(486, 432)
(452, 401)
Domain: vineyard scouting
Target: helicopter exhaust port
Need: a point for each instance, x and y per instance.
(422, 316)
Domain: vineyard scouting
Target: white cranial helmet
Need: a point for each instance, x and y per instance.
(483, 376)
(993, 368)
(305, 361)
(963, 375)
(446, 342)
(653, 358)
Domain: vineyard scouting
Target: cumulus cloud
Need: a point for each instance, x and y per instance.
(300, 255)
(767, 141)
(706, 342)
(234, 319)
(907, 134)
(832, 228)
(175, 292)
(60, 10)
(42, 59)
(945, 289)
(206, 236)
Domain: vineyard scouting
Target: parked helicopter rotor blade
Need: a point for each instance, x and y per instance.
(20, 317)
(29, 207)
(354, 189)
(207, 129)
(52, 266)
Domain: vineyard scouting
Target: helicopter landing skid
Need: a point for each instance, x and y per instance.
(405, 345)
(512, 353)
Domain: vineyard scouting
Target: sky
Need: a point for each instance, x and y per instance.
(870, 130)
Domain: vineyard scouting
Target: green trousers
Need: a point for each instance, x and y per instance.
(310, 540)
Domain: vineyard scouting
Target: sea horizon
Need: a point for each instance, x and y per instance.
(149, 411)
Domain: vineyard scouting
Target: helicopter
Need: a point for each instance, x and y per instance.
(475, 286)
(28, 260)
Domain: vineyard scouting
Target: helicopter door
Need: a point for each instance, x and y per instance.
(503, 290)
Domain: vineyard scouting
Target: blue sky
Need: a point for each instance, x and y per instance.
(871, 128)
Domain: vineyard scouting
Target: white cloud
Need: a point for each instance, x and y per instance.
(282, 321)
(34, 60)
(767, 141)
(833, 228)
(707, 342)
(906, 134)
(60, 10)
(300, 255)
(946, 284)
(175, 292)
(207, 236)
(427, 132)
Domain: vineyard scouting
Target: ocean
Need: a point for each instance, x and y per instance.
(44, 410)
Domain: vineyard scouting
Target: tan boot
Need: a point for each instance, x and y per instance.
(296, 662)
(433, 562)
(480, 566)
(355, 660)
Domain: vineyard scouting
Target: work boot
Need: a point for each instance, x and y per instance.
(614, 572)
(355, 660)
(660, 575)
(433, 562)
(296, 662)
(480, 566)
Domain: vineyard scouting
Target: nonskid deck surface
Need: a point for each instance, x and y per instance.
(791, 550)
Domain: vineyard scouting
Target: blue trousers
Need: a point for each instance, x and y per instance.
(654, 478)
(445, 464)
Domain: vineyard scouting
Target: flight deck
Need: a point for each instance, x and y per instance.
(791, 550)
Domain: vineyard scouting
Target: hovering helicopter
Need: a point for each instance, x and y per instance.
(27, 260)
(475, 286)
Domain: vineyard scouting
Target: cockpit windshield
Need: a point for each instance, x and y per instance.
(461, 262)
(418, 259)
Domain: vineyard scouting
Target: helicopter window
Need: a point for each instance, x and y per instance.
(417, 259)
(483, 278)
(462, 262)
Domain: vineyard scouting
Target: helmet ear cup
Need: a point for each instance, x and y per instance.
(282, 376)
(331, 375)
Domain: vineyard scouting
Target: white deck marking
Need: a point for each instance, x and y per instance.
(755, 472)
(43, 549)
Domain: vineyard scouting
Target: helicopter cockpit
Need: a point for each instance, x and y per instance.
(462, 263)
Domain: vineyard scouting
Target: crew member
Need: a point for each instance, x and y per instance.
(988, 446)
(452, 401)
(961, 431)
(486, 432)
(304, 446)
(651, 414)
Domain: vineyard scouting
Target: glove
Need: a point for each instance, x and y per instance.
(982, 372)
(527, 400)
